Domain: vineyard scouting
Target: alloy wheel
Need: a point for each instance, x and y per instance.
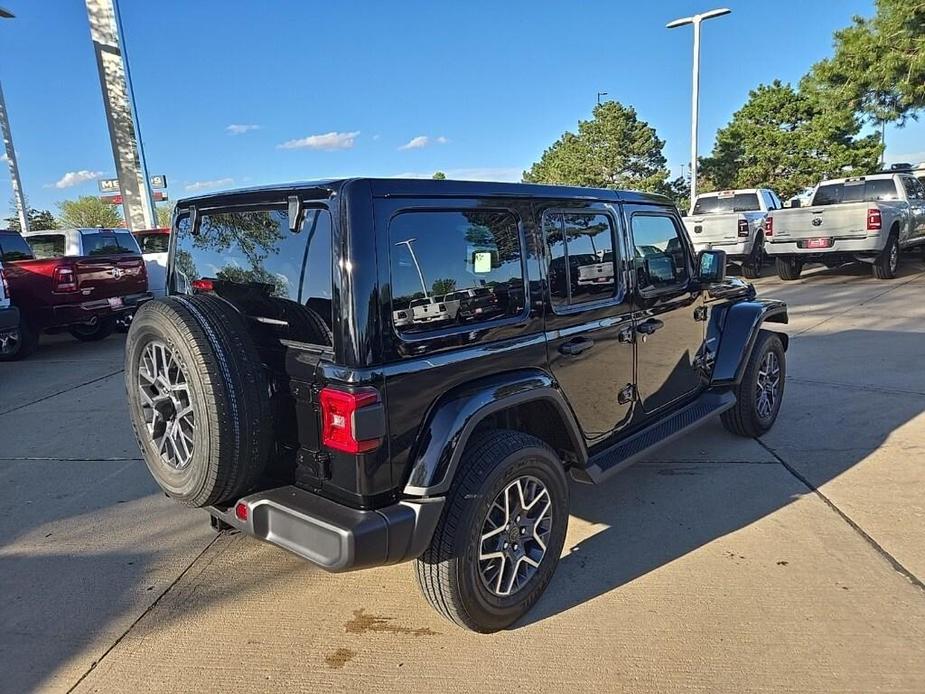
(166, 404)
(9, 343)
(767, 387)
(514, 536)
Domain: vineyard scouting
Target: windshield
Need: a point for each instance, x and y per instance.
(880, 189)
(724, 203)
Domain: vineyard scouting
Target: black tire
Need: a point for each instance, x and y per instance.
(789, 268)
(448, 572)
(745, 419)
(19, 344)
(100, 329)
(227, 387)
(887, 263)
(751, 268)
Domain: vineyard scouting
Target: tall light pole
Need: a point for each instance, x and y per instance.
(696, 20)
(11, 152)
(416, 264)
(599, 95)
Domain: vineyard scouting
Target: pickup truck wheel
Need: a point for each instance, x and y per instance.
(498, 543)
(759, 394)
(198, 398)
(99, 329)
(751, 268)
(789, 268)
(887, 263)
(20, 343)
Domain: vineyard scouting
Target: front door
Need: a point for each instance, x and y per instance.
(669, 326)
(589, 337)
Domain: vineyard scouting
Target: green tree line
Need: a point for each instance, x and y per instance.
(87, 211)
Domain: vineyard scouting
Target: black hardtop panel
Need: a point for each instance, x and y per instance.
(419, 187)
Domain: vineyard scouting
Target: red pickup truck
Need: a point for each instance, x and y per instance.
(80, 280)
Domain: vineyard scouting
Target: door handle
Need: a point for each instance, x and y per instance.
(649, 326)
(576, 346)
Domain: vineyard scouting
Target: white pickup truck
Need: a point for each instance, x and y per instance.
(867, 218)
(733, 221)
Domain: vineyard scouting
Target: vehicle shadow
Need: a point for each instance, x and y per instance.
(655, 513)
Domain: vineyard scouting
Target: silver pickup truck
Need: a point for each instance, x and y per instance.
(733, 221)
(867, 218)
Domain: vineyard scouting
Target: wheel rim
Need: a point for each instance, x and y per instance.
(9, 343)
(894, 256)
(166, 404)
(768, 386)
(514, 536)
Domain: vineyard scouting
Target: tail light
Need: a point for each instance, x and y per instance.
(343, 424)
(6, 285)
(769, 226)
(874, 220)
(64, 279)
(743, 228)
(202, 285)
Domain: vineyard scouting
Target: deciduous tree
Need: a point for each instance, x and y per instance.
(89, 211)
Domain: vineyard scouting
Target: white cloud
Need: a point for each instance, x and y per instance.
(4, 158)
(207, 185)
(327, 141)
(75, 178)
(503, 174)
(422, 141)
(238, 129)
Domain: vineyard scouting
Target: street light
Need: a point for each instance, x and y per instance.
(414, 257)
(695, 95)
(599, 95)
(11, 152)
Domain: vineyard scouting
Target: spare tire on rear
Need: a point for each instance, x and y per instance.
(198, 398)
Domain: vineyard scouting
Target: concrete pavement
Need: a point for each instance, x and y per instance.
(794, 563)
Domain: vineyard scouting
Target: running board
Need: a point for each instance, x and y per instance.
(620, 456)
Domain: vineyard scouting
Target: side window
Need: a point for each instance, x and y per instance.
(913, 188)
(659, 257)
(582, 264)
(48, 246)
(14, 247)
(451, 268)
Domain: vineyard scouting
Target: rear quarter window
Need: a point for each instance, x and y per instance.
(435, 253)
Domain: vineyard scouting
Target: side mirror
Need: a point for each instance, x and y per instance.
(712, 266)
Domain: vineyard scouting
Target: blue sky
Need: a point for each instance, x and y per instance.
(476, 89)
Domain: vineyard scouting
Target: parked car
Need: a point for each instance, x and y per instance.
(428, 310)
(154, 244)
(866, 218)
(9, 317)
(733, 221)
(80, 280)
(312, 418)
(472, 303)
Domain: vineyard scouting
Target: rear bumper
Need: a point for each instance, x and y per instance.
(870, 245)
(9, 319)
(735, 250)
(84, 312)
(333, 536)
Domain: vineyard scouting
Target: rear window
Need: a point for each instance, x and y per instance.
(48, 245)
(880, 189)
(153, 243)
(725, 203)
(14, 247)
(253, 259)
(108, 243)
(434, 253)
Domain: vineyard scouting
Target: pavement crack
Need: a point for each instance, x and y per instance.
(893, 561)
(147, 610)
(61, 392)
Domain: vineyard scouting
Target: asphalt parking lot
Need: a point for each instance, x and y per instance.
(793, 563)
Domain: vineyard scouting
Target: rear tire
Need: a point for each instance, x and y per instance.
(887, 263)
(751, 268)
(20, 343)
(759, 394)
(99, 330)
(483, 593)
(198, 398)
(789, 268)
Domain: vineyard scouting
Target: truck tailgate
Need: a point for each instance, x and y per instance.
(847, 220)
(714, 228)
(106, 276)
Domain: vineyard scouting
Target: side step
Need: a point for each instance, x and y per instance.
(620, 456)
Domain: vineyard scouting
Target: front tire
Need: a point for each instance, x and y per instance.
(759, 394)
(501, 534)
(887, 263)
(789, 268)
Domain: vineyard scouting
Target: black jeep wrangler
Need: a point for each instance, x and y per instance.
(313, 380)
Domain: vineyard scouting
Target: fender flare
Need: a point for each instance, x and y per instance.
(449, 424)
(736, 328)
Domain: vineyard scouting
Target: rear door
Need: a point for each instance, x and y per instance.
(668, 308)
(110, 266)
(915, 194)
(589, 329)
